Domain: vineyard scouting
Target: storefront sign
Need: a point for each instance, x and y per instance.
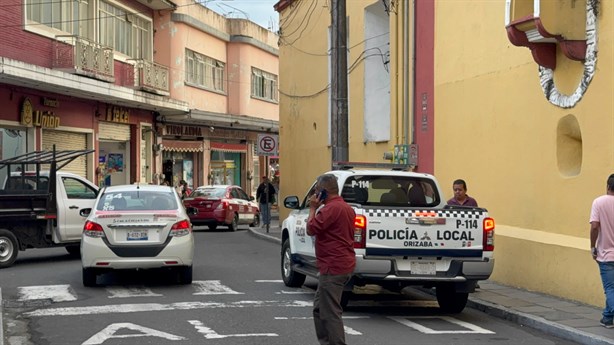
(37, 118)
(184, 131)
(117, 114)
(50, 102)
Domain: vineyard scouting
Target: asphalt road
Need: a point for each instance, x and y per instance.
(237, 297)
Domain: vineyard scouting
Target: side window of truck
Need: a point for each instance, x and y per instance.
(76, 189)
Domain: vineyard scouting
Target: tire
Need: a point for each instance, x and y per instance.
(256, 222)
(9, 247)
(234, 225)
(449, 300)
(89, 276)
(213, 227)
(74, 251)
(185, 275)
(290, 277)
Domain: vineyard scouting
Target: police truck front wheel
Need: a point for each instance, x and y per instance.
(8, 248)
(290, 277)
(449, 300)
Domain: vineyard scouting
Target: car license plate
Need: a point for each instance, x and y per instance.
(423, 267)
(140, 235)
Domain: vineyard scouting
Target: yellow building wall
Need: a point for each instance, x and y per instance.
(495, 129)
(304, 94)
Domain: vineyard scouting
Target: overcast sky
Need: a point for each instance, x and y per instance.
(260, 12)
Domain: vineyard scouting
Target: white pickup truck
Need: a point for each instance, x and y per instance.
(40, 208)
(404, 235)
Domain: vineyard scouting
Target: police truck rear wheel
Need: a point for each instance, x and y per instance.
(8, 248)
(290, 277)
(449, 300)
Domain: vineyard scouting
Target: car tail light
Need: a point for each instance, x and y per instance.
(489, 235)
(223, 205)
(181, 228)
(360, 230)
(92, 229)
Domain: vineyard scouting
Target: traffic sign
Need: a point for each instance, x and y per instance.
(268, 145)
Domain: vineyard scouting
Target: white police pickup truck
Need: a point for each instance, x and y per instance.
(405, 235)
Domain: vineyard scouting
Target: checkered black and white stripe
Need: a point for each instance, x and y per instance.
(463, 214)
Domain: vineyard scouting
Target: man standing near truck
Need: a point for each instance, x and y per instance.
(333, 228)
(459, 187)
(602, 247)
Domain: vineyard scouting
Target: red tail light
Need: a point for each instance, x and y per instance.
(92, 229)
(181, 228)
(360, 231)
(488, 242)
(223, 205)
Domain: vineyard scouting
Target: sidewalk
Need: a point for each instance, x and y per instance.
(563, 318)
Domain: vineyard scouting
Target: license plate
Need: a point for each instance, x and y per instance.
(423, 267)
(208, 205)
(140, 235)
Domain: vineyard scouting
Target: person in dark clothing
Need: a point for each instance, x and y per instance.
(265, 194)
(333, 227)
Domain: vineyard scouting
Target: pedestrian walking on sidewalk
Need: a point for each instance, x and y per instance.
(602, 247)
(333, 227)
(265, 194)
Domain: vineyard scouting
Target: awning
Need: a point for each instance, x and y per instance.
(182, 146)
(225, 147)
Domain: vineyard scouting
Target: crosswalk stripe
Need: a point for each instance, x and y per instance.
(56, 293)
(213, 287)
(131, 291)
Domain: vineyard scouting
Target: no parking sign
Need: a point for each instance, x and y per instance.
(268, 145)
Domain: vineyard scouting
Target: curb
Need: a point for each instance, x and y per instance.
(502, 312)
(538, 323)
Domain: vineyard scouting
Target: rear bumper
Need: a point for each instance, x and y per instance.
(210, 218)
(457, 271)
(178, 252)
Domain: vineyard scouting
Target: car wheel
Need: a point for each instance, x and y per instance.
(89, 276)
(449, 300)
(9, 246)
(234, 225)
(185, 275)
(74, 251)
(212, 227)
(256, 222)
(290, 277)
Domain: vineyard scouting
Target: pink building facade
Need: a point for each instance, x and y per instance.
(112, 76)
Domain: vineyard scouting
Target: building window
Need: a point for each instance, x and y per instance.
(264, 85)
(204, 71)
(69, 16)
(126, 32)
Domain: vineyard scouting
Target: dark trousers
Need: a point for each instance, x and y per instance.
(327, 309)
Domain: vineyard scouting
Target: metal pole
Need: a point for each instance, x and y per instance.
(339, 82)
(266, 191)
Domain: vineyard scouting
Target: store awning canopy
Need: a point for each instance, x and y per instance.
(225, 147)
(182, 146)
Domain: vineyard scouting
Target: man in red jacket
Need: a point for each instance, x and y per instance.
(333, 228)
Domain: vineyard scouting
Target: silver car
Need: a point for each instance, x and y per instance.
(137, 226)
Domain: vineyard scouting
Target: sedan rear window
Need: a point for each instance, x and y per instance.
(209, 192)
(137, 200)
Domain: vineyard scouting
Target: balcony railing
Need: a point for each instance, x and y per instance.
(149, 76)
(81, 56)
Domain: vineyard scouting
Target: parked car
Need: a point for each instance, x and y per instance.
(137, 227)
(225, 205)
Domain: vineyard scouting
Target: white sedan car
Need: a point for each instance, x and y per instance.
(137, 226)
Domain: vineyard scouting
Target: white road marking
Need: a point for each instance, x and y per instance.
(211, 334)
(269, 281)
(296, 292)
(311, 317)
(148, 307)
(471, 328)
(213, 287)
(110, 330)
(57, 293)
(350, 331)
(131, 291)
